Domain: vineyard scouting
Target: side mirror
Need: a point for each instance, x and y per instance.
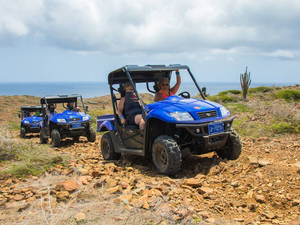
(204, 91)
(129, 97)
(19, 115)
(86, 108)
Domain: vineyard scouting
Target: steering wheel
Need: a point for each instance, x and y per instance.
(185, 94)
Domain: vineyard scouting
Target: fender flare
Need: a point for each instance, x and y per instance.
(106, 126)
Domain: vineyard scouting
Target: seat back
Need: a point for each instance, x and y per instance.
(155, 87)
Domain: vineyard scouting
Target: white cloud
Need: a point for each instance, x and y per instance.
(281, 54)
(157, 27)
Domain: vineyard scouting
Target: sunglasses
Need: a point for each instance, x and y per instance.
(165, 84)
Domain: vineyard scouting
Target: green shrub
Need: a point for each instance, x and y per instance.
(235, 92)
(284, 128)
(223, 98)
(289, 95)
(238, 108)
(259, 90)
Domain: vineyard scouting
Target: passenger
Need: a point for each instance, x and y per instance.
(164, 88)
(70, 107)
(27, 114)
(132, 110)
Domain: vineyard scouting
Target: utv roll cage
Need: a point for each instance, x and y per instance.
(53, 99)
(30, 109)
(144, 74)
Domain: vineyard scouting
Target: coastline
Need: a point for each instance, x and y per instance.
(99, 89)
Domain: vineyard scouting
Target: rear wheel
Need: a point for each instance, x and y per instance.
(42, 139)
(22, 132)
(166, 155)
(107, 148)
(91, 134)
(55, 138)
(232, 148)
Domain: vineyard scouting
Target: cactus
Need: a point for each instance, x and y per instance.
(245, 82)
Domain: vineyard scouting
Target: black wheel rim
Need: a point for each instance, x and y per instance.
(161, 157)
(105, 149)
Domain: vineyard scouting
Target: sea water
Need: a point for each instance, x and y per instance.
(97, 89)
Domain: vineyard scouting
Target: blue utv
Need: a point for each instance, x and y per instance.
(176, 127)
(72, 122)
(30, 120)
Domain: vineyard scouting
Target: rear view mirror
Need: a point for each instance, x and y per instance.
(204, 91)
(86, 108)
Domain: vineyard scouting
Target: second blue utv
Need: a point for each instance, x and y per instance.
(72, 122)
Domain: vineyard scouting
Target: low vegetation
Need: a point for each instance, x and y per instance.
(289, 95)
(277, 107)
(20, 158)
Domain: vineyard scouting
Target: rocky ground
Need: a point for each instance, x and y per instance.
(261, 187)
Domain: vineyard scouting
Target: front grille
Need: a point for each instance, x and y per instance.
(208, 114)
(34, 122)
(74, 119)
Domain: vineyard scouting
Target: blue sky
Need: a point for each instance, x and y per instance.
(83, 40)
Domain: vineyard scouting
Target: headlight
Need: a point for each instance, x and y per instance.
(181, 116)
(224, 111)
(27, 122)
(61, 120)
(85, 118)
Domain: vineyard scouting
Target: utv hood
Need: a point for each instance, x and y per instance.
(200, 111)
(70, 117)
(32, 119)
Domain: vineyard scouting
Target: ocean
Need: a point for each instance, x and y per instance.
(97, 89)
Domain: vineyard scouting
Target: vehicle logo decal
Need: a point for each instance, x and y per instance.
(208, 114)
(197, 107)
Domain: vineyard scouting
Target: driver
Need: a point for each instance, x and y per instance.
(27, 114)
(164, 88)
(70, 107)
(51, 108)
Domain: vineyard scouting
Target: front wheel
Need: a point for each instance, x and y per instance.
(91, 136)
(55, 138)
(166, 155)
(42, 139)
(107, 148)
(232, 148)
(22, 132)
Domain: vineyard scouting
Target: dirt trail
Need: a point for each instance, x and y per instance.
(261, 187)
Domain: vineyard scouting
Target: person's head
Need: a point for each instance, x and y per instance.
(128, 87)
(51, 107)
(163, 84)
(70, 105)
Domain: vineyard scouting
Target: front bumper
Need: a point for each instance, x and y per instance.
(31, 128)
(209, 142)
(70, 130)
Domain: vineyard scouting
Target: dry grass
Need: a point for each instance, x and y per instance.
(22, 157)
